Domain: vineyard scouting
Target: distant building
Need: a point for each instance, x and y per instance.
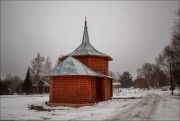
(140, 83)
(116, 86)
(41, 87)
(81, 78)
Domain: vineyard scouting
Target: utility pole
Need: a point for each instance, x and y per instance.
(171, 88)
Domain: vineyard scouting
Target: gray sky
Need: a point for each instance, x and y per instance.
(132, 33)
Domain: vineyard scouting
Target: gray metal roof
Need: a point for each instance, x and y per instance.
(72, 66)
(86, 48)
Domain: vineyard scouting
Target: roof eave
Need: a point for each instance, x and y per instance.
(71, 75)
(108, 57)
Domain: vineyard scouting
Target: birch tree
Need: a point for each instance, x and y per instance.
(37, 66)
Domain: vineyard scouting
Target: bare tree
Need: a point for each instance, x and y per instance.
(10, 82)
(175, 48)
(170, 57)
(153, 74)
(47, 65)
(147, 72)
(47, 68)
(139, 73)
(37, 66)
(118, 75)
(112, 74)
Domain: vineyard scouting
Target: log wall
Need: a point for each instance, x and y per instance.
(79, 90)
(107, 88)
(73, 90)
(96, 63)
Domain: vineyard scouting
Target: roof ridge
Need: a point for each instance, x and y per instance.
(78, 68)
(85, 48)
(85, 34)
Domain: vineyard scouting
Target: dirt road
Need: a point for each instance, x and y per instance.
(142, 110)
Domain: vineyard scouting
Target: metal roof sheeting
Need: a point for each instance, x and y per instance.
(72, 66)
(86, 48)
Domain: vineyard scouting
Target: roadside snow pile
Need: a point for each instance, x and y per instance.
(128, 93)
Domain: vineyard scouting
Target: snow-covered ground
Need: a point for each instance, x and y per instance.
(129, 93)
(153, 105)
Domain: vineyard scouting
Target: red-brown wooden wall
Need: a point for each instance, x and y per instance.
(73, 89)
(96, 63)
(79, 89)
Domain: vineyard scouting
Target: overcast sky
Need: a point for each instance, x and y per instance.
(132, 33)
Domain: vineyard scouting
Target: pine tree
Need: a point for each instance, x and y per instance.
(126, 80)
(27, 85)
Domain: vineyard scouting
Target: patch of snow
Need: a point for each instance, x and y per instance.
(169, 106)
(15, 107)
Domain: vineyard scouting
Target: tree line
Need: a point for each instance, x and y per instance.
(166, 69)
(36, 72)
(125, 80)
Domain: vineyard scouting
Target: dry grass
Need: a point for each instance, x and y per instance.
(39, 108)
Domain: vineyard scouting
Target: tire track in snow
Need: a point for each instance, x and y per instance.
(144, 109)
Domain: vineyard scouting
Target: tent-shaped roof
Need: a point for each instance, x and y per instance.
(41, 83)
(86, 48)
(72, 66)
